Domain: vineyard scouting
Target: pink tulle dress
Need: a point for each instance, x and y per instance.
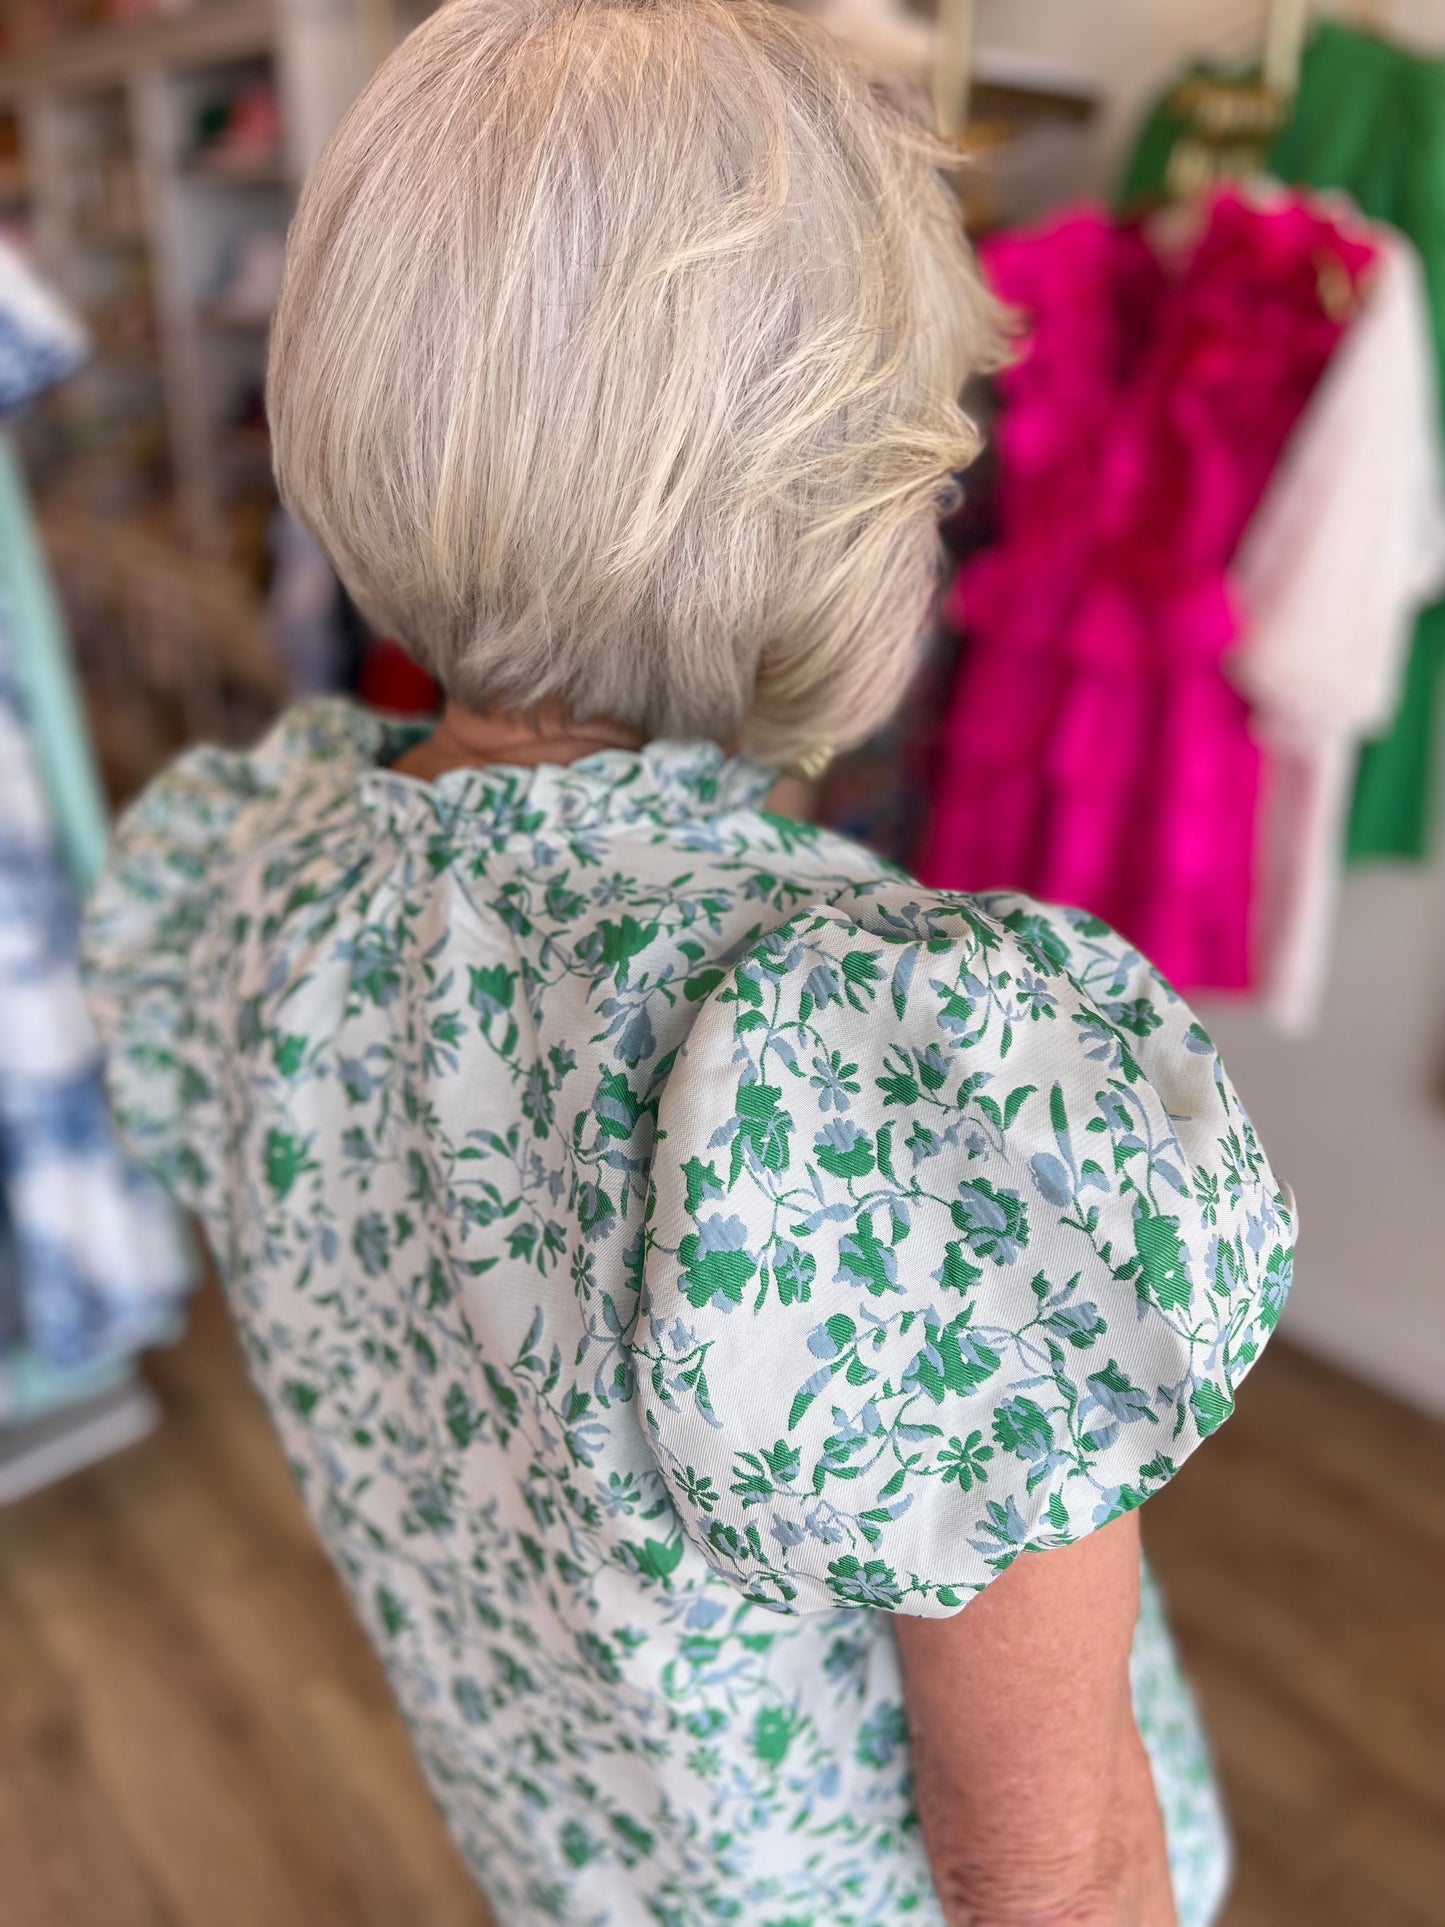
(1093, 752)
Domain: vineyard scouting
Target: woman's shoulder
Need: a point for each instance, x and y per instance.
(204, 788)
(169, 901)
(960, 1242)
(179, 846)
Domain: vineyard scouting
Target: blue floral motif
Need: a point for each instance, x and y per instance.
(94, 1263)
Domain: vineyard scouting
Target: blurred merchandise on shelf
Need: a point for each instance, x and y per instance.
(105, 203)
(41, 342)
(29, 24)
(251, 281)
(240, 134)
(145, 150)
(173, 645)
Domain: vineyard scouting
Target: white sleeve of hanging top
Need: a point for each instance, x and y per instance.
(1349, 541)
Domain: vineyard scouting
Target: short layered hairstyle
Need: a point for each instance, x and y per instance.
(619, 361)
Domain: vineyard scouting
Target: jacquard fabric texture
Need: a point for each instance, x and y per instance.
(618, 1189)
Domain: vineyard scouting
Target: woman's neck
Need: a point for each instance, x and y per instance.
(471, 739)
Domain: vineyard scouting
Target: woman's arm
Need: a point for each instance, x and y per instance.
(1034, 1792)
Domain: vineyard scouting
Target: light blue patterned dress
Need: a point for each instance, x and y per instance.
(670, 1243)
(93, 1262)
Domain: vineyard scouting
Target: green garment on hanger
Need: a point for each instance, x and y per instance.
(1369, 120)
(40, 654)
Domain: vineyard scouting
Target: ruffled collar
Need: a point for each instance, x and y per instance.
(665, 784)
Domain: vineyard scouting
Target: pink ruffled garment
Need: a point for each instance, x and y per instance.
(1094, 752)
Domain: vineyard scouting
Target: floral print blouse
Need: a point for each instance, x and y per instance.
(670, 1243)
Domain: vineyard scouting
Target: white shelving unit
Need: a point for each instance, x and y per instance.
(116, 111)
(153, 467)
(148, 465)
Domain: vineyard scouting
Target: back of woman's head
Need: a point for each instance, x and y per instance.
(618, 364)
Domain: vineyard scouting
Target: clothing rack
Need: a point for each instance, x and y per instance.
(1284, 39)
(953, 64)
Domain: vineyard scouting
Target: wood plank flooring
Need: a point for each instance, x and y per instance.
(1304, 1556)
(193, 1732)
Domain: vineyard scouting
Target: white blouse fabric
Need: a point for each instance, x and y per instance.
(670, 1243)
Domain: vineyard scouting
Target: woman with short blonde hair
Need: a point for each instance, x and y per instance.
(724, 1305)
(618, 365)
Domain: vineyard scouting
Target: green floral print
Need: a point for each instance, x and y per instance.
(670, 1243)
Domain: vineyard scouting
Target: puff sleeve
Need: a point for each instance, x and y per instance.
(959, 1243)
(148, 926)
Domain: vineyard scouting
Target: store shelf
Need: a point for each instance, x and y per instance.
(108, 239)
(153, 467)
(203, 171)
(108, 55)
(220, 321)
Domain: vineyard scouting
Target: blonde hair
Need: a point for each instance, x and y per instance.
(618, 364)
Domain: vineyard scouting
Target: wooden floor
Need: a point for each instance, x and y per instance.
(194, 1734)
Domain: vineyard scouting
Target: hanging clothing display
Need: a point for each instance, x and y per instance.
(1369, 119)
(94, 1262)
(12, 1304)
(46, 682)
(41, 341)
(1095, 752)
(41, 344)
(1341, 555)
(102, 1261)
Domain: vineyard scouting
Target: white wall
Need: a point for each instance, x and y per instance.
(1355, 1117)
(1131, 48)
(1128, 48)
